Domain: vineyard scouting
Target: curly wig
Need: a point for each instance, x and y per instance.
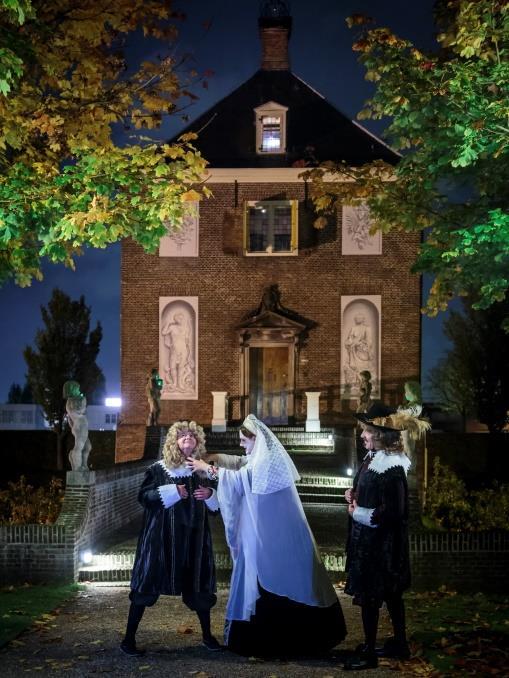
(172, 455)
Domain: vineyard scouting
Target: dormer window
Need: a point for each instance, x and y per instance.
(270, 128)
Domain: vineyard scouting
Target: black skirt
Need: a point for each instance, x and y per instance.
(284, 628)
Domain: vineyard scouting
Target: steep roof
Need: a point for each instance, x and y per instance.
(316, 130)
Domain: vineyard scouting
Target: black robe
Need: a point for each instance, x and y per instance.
(378, 562)
(174, 554)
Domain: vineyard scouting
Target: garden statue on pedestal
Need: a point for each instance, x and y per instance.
(153, 390)
(413, 407)
(76, 406)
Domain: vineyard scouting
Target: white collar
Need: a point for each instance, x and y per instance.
(181, 471)
(383, 461)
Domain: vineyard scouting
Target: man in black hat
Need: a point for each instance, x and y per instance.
(378, 564)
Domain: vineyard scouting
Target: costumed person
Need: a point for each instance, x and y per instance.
(281, 601)
(378, 561)
(174, 555)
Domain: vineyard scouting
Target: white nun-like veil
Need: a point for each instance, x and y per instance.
(267, 531)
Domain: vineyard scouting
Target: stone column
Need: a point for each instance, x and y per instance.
(219, 410)
(313, 411)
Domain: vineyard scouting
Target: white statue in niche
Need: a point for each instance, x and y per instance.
(178, 339)
(360, 351)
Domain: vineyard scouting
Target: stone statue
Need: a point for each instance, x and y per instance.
(177, 335)
(365, 388)
(413, 407)
(153, 390)
(359, 351)
(76, 406)
(271, 299)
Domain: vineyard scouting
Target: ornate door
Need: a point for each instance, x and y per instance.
(268, 383)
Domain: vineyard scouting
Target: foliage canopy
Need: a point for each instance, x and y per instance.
(64, 81)
(449, 113)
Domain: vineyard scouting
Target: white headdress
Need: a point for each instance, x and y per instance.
(271, 467)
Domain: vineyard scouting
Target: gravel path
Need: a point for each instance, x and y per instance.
(82, 638)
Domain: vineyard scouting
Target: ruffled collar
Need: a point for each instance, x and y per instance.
(383, 461)
(178, 472)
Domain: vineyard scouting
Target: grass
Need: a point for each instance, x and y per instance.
(22, 606)
(460, 634)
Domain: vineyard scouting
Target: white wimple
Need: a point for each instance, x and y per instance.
(383, 461)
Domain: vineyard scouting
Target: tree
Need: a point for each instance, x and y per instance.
(452, 385)
(65, 80)
(474, 376)
(18, 394)
(65, 350)
(450, 119)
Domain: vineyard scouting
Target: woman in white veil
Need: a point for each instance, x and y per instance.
(281, 600)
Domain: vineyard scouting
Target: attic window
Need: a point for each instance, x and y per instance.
(271, 133)
(270, 128)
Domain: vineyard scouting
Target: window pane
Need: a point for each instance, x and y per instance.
(282, 228)
(271, 133)
(258, 228)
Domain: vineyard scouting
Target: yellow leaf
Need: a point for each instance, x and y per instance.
(190, 196)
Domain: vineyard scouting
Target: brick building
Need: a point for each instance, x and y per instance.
(249, 299)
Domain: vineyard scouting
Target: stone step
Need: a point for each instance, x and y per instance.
(117, 567)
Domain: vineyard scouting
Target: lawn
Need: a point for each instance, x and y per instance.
(22, 606)
(460, 634)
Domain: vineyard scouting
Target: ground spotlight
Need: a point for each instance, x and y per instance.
(87, 557)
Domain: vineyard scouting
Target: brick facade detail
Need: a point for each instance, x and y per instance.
(230, 285)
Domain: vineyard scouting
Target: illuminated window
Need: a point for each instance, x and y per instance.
(271, 227)
(270, 128)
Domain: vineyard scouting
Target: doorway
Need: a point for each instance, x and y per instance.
(269, 383)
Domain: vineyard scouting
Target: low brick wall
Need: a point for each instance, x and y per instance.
(95, 506)
(463, 561)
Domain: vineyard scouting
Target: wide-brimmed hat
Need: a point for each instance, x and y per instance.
(383, 418)
(379, 416)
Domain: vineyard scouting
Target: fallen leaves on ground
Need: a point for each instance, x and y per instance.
(185, 630)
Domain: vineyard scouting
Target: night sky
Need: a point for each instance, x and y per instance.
(321, 54)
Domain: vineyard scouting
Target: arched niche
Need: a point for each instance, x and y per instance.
(178, 347)
(360, 343)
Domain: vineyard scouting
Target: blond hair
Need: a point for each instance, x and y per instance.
(172, 455)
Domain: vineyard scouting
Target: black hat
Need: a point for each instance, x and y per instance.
(378, 416)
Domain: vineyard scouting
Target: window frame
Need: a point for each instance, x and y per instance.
(273, 110)
(294, 232)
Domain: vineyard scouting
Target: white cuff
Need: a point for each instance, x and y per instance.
(212, 502)
(363, 516)
(169, 495)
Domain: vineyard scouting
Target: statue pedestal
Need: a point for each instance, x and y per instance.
(219, 410)
(80, 478)
(313, 411)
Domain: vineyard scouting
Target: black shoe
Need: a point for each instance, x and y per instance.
(394, 649)
(212, 644)
(131, 650)
(361, 662)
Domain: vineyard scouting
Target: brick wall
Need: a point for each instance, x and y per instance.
(89, 514)
(229, 285)
(463, 561)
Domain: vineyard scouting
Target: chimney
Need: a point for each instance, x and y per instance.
(275, 25)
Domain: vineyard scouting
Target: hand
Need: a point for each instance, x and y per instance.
(352, 507)
(349, 495)
(196, 464)
(202, 493)
(181, 489)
